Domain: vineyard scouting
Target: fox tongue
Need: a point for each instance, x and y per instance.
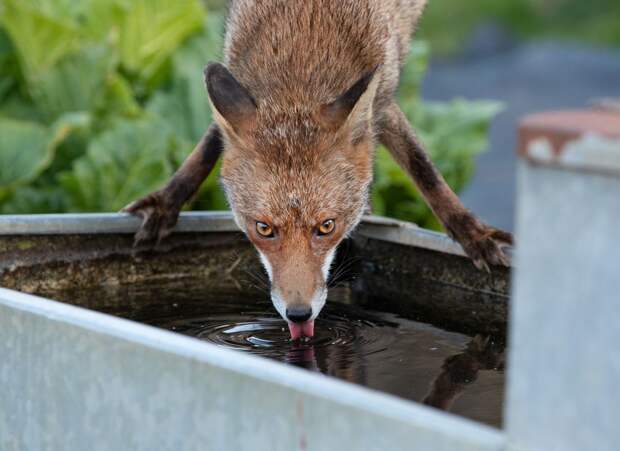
(295, 330)
(301, 329)
(307, 329)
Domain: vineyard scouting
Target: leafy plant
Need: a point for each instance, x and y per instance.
(101, 99)
(116, 168)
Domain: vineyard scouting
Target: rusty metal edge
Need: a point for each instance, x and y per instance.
(591, 154)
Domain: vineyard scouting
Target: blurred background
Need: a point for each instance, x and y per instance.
(100, 100)
(532, 55)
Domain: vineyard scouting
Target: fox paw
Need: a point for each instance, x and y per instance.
(485, 245)
(158, 217)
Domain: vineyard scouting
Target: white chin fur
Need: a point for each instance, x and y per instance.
(318, 301)
(267, 265)
(279, 304)
(327, 263)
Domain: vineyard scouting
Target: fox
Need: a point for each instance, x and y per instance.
(304, 95)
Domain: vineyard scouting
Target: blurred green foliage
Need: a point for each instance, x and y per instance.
(447, 23)
(100, 100)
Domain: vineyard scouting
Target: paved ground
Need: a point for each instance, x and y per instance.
(528, 78)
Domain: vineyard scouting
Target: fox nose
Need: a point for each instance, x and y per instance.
(299, 313)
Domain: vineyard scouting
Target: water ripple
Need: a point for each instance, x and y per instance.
(339, 326)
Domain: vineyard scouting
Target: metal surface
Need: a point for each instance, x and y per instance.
(439, 287)
(74, 380)
(84, 223)
(45, 264)
(564, 360)
(209, 221)
(407, 234)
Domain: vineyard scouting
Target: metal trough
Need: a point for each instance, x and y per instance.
(75, 378)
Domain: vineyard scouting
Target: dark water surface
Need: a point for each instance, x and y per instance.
(355, 340)
(383, 351)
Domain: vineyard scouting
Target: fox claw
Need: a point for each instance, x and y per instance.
(158, 219)
(485, 245)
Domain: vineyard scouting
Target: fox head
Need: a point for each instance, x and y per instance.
(297, 181)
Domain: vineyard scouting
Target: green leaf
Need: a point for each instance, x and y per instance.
(76, 83)
(73, 147)
(39, 38)
(151, 30)
(24, 153)
(27, 149)
(100, 19)
(16, 106)
(33, 199)
(118, 99)
(124, 163)
(9, 71)
(66, 10)
(185, 106)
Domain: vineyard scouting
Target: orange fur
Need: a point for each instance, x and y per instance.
(306, 91)
(290, 166)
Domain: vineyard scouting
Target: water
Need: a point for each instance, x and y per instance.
(406, 358)
(362, 345)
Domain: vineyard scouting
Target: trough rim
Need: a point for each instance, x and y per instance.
(373, 227)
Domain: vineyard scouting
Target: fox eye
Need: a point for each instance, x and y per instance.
(326, 227)
(264, 230)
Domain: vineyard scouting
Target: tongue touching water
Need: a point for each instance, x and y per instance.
(343, 333)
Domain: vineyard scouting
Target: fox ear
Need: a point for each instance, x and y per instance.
(354, 107)
(234, 106)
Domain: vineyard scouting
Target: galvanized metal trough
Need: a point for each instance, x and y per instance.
(84, 376)
(75, 377)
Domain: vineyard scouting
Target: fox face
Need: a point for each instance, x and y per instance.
(297, 182)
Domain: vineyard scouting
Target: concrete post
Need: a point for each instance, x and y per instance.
(564, 363)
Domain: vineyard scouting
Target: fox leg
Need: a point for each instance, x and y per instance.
(482, 243)
(160, 210)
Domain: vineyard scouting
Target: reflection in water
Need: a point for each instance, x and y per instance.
(378, 350)
(461, 370)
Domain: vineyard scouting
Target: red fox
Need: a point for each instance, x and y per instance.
(305, 93)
